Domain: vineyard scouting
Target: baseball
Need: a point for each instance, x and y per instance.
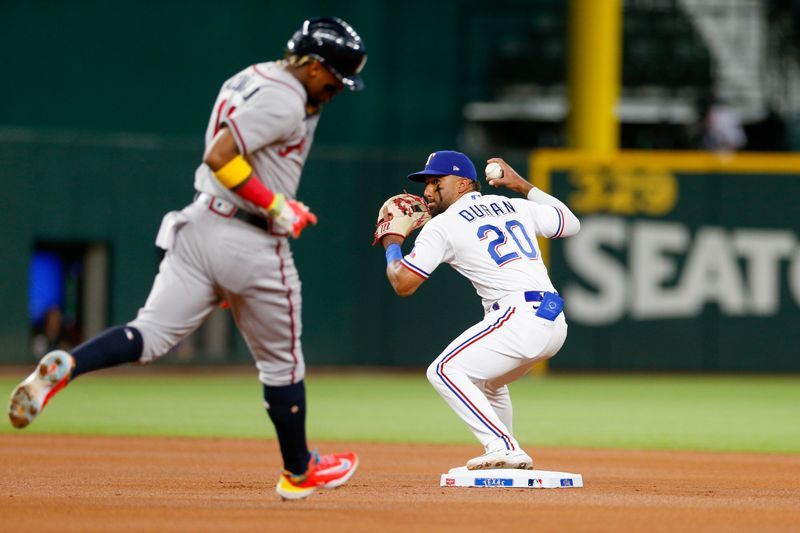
(494, 171)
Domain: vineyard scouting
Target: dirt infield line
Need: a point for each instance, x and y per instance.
(60, 483)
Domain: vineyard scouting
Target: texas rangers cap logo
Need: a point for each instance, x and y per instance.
(444, 163)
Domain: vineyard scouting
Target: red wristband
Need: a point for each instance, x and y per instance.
(254, 191)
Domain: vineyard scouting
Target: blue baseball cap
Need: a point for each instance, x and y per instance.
(444, 163)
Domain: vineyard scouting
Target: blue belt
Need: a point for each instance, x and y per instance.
(530, 296)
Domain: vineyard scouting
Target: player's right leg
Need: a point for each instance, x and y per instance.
(29, 397)
(460, 373)
(180, 299)
(115, 346)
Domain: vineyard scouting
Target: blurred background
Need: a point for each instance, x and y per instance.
(688, 258)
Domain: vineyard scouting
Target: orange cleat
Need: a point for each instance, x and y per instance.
(29, 398)
(324, 471)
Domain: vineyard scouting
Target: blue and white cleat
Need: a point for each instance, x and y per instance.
(29, 398)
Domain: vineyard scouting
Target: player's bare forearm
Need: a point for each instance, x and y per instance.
(511, 179)
(402, 280)
(221, 150)
(392, 239)
(234, 172)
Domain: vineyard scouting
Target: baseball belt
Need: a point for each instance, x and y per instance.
(226, 209)
(520, 299)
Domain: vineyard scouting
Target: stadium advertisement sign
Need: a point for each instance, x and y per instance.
(684, 261)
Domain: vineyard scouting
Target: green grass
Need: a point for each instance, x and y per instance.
(717, 413)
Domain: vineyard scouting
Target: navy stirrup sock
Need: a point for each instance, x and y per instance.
(115, 346)
(286, 407)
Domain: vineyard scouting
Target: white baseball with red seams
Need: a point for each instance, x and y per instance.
(493, 172)
(211, 256)
(491, 240)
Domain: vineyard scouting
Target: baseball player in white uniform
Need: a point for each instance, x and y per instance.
(231, 245)
(491, 240)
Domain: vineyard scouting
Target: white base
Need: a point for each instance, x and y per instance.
(510, 478)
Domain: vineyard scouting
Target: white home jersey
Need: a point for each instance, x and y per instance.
(264, 107)
(490, 240)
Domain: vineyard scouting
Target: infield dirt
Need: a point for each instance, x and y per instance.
(64, 483)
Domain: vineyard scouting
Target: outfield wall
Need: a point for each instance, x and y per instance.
(101, 127)
(678, 267)
(685, 260)
(113, 190)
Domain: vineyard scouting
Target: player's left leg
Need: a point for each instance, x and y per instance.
(496, 391)
(500, 400)
(489, 355)
(268, 315)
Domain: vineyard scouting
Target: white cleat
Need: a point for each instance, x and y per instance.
(29, 398)
(501, 459)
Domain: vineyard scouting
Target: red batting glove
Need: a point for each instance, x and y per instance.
(304, 217)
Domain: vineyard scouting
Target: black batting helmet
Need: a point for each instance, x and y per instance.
(335, 43)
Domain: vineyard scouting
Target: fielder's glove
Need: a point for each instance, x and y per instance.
(290, 216)
(400, 215)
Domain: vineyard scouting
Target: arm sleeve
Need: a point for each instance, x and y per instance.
(431, 249)
(270, 115)
(553, 218)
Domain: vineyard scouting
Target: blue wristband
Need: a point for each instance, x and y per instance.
(393, 253)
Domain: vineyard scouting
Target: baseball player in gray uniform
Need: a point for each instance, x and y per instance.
(231, 244)
(490, 240)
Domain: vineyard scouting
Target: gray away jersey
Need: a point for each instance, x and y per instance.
(264, 107)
